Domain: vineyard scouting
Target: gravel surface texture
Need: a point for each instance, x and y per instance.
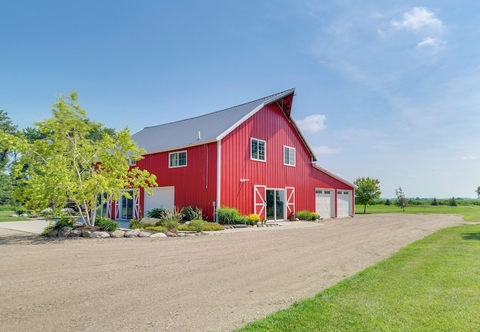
(203, 283)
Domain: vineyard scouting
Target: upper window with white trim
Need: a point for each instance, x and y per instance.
(177, 159)
(288, 156)
(257, 148)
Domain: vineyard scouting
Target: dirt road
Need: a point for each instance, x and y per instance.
(208, 283)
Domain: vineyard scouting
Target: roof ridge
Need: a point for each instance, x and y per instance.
(222, 110)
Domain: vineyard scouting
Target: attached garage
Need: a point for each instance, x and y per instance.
(324, 203)
(344, 203)
(163, 197)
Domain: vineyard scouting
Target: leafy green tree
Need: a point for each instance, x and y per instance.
(6, 189)
(67, 165)
(368, 189)
(387, 202)
(7, 127)
(401, 200)
(478, 191)
(434, 202)
(452, 202)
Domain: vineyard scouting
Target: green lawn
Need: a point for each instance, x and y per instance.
(431, 285)
(4, 216)
(469, 213)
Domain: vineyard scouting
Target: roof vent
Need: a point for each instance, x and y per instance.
(199, 136)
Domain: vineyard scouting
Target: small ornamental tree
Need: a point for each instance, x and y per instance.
(478, 191)
(434, 202)
(368, 189)
(67, 165)
(401, 200)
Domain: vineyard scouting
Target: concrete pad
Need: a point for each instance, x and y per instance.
(30, 226)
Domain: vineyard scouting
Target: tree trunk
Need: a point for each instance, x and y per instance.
(365, 209)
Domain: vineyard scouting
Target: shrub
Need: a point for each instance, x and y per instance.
(227, 216)
(307, 215)
(387, 202)
(136, 223)
(159, 213)
(253, 218)
(8, 208)
(106, 224)
(67, 211)
(47, 212)
(20, 210)
(242, 220)
(170, 223)
(192, 213)
(156, 228)
(212, 226)
(197, 225)
(58, 225)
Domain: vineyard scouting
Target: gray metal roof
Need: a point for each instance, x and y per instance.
(212, 127)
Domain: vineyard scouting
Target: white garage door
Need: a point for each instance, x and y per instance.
(324, 203)
(163, 197)
(344, 203)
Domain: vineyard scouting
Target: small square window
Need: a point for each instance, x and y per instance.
(257, 149)
(178, 159)
(288, 156)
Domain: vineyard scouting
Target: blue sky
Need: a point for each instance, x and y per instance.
(386, 89)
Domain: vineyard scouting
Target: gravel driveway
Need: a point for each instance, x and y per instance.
(208, 283)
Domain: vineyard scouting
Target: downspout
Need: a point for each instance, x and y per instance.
(219, 171)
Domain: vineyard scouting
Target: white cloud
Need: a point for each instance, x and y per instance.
(324, 150)
(312, 123)
(469, 158)
(418, 18)
(431, 42)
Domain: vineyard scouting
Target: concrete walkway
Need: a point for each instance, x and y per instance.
(31, 226)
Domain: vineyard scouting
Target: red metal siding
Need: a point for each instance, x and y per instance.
(195, 184)
(271, 125)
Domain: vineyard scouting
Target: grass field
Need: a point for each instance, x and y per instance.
(4, 216)
(431, 285)
(469, 213)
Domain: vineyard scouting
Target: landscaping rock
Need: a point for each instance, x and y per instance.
(24, 215)
(144, 234)
(171, 234)
(159, 235)
(75, 233)
(181, 234)
(99, 235)
(132, 233)
(86, 233)
(77, 224)
(118, 233)
(64, 231)
(14, 215)
(53, 233)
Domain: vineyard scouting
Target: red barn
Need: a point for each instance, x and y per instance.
(252, 157)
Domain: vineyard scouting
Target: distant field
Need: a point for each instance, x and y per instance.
(469, 213)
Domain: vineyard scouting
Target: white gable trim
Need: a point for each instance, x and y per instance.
(255, 110)
(239, 122)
